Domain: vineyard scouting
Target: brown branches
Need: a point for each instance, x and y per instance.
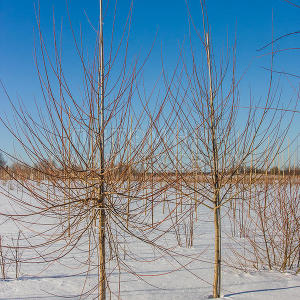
(217, 139)
(91, 160)
(103, 163)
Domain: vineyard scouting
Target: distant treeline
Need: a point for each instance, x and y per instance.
(45, 170)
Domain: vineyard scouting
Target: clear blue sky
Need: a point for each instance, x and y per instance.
(250, 21)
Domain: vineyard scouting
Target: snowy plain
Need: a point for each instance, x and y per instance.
(186, 274)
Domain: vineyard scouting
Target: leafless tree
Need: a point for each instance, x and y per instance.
(78, 148)
(219, 137)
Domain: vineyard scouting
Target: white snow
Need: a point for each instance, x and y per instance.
(186, 274)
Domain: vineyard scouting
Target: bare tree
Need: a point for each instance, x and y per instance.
(77, 146)
(218, 137)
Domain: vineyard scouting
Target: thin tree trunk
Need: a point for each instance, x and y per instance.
(217, 204)
(101, 196)
(102, 270)
(217, 262)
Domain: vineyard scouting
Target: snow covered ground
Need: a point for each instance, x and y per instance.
(186, 274)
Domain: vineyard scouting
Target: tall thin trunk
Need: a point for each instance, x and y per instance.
(101, 196)
(217, 204)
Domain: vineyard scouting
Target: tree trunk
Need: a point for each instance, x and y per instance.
(216, 180)
(100, 142)
(102, 271)
(217, 262)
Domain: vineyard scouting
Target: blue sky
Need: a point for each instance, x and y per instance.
(250, 21)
